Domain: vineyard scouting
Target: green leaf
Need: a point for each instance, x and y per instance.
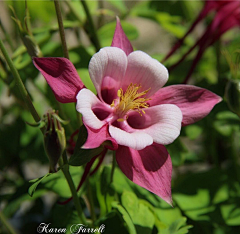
(14, 204)
(82, 137)
(179, 227)
(193, 131)
(231, 214)
(57, 182)
(226, 123)
(84, 74)
(121, 182)
(105, 191)
(140, 214)
(168, 215)
(36, 182)
(83, 156)
(120, 5)
(126, 217)
(114, 223)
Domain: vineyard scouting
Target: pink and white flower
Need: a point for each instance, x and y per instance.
(132, 110)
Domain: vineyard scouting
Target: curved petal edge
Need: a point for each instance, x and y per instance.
(61, 76)
(120, 39)
(150, 168)
(194, 102)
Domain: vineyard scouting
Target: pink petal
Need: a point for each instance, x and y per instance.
(194, 102)
(120, 39)
(107, 69)
(61, 76)
(151, 168)
(161, 122)
(145, 71)
(92, 109)
(96, 137)
(135, 140)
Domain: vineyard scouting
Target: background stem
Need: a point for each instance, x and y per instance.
(6, 224)
(93, 33)
(65, 170)
(61, 28)
(19, 84)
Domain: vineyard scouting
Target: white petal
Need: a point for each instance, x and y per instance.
(109, 63)
(135, 140)
(161, 122)
(145, 71)
(86, 100)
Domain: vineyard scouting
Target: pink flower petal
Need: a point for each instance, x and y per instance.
(61, 76)
(145, 71)
(161, 122)
(107, 69)
(120, 39)
(90, 106)
(151, 168)
(194, 102)
(96, 137)
(135, 140)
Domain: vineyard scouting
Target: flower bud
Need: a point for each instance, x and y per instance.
(232, 94)
(54, 139)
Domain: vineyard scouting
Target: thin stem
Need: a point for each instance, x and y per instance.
(218, 57)
(234, 154)
(61, 28)
(6, 224)
(93, 33)
(8, 38)
(91, 202)
(19, 84)
(113, 166)
(65, 170)
(62, 35)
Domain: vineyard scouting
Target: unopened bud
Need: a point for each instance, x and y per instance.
(54, 139)
(232, 93)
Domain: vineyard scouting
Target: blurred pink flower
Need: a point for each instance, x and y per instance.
(227, 16)
(131, 110)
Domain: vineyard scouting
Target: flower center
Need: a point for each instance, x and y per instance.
(130, 100)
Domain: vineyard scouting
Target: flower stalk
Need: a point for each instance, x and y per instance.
(6, 224)
(91, 202)
(65, 169)
(61, 28)
(113, 166)
(93, 33)
(19, 84)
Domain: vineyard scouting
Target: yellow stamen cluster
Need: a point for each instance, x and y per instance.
(131, 100)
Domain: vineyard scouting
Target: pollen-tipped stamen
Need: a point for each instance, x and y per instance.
(130, 100)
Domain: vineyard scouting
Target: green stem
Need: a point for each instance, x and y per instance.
(7, 36)
(234, 154)
(93, 32)
(91, 202)
(113, 166)
(218, 57)
(62, 35)
(6, 224)
(19, 84)
(65, 170)
(61, 28)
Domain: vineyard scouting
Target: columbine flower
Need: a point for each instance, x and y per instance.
(131, 109)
